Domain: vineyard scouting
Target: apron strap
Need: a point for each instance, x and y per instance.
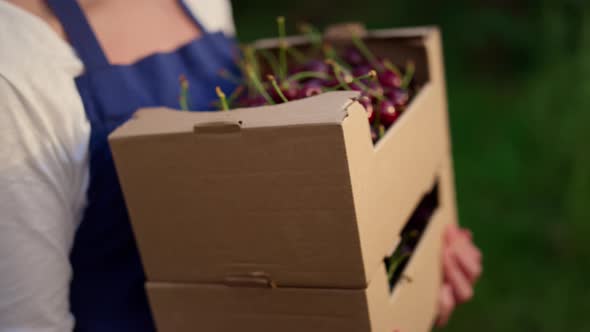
(193, 16)
(79, 33)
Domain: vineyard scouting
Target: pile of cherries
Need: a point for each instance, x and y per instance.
(288, 74)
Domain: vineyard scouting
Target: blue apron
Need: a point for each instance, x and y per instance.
(107, 291)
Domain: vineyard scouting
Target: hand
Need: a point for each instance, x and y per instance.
(461, 269)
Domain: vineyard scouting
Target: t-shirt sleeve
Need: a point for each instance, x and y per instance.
(215, 15)
(38, 215)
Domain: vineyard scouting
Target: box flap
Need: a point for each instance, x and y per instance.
(151, 121)
(211, 201)
(403, 33)
(198, 307)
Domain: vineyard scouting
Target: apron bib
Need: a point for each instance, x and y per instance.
(107, 291)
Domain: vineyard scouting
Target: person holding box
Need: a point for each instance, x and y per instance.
(70, 73)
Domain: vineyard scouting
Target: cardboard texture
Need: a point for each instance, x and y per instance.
(411, 306)
(293, 196)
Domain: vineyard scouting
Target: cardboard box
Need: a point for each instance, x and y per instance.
(410, 307)
(294, 194)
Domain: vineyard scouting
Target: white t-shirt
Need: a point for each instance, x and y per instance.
(44, 173)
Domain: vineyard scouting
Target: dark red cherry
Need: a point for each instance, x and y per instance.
(398, 96)
(389, 79)
(375, 88)
(388, 113)
(311, 88)
(361, 70)
(368, 104)
(317, 66)
(353, 56)
(253, 101)
(291, 92)
(374, 135)
(356, 87)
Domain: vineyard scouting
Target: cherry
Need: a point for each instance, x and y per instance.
(390, 79)
(361, 70)
(399, 97)
(290, 91)
(388, 113)
(311, 88)
(381, 63)
(374, 135)
(368, 104)
(385, 90)
(355, 86)
(318, 66)
(353, 56)
(375, 88)
(253, 101)
(330, 83)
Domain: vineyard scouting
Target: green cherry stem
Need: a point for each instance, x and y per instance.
(282, 47)
(258, 85)
(392, 67)
(237, 93)
(222, 99)
(381, 131)
(307, 74)
(271, 59)
(331, 54)
(297, 55)
(362, 47)
(250, 55)
(377, 123)
(313, 34)
(275, 85)
(357, 80)
(183, 98)
(365, 88)
(395, 261)
(338, 70)
(409, 76)
(243, 65)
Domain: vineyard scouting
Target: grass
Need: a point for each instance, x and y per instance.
(522, 172)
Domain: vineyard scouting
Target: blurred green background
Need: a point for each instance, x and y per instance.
(518, 77)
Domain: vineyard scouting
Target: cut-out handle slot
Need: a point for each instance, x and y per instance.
(218, 127)
(410, 236)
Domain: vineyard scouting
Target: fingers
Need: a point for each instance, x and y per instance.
(467, 233)
(452, 233)
(470, 247)
(461, 242)
(462, 267)
(458, 281)
(468, 258)
(446, 304)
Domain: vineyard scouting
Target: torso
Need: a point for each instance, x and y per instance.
(127, 30)
(66, 101)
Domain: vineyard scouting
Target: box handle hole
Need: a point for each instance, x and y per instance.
(410, 236)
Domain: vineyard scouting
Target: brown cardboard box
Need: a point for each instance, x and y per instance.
(410, 307)
(279, 218)
(294, 194)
